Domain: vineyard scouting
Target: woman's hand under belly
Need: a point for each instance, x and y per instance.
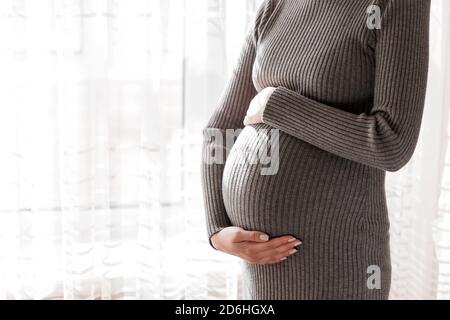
(255, 247)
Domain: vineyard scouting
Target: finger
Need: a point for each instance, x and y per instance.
(262, 252)
(280, 256)
(277, 242)
(285, 248)
(268, 261)
(252, 236)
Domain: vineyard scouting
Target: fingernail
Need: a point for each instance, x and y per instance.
(264, 237)
(292, 240)
(297, 243)
(293, 251)
(285, 258)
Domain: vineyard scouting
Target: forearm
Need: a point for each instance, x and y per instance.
(365, 138)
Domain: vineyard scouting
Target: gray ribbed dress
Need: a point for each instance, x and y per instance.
(348, 105)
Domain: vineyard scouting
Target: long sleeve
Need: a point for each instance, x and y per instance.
(385, 137)
(229, 115)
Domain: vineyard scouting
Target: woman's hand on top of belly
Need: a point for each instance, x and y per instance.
(257, 106)
(253, 246)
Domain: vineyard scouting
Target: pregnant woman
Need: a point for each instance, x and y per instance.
(343, 83)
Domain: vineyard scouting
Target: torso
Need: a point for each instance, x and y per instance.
(336, 206)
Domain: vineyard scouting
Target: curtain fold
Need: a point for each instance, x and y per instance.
(101, 110)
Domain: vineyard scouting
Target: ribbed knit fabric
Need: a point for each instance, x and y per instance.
(348, 104)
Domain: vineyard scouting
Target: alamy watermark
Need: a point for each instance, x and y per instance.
(262, 149)
(374, 17)
(374, 279)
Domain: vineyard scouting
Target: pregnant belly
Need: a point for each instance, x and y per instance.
(292, 186)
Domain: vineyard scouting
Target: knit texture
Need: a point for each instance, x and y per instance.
(348, 104)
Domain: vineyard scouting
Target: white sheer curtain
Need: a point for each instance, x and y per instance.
(102, 103)
(101, 108)
(419, 225)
